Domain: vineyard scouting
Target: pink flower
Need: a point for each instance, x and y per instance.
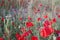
(40, 4)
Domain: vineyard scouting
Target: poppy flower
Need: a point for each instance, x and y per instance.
(1, 38)
(54, 20)
(20, 18)
(26, 33)
(30, 31)
(17, 35)
(49, 30)
(46, 31)
(29, 24)
(45, 16)
(2, 19)
(58, 38)
(43, 33)
(34, 38)
(38, 19)
(46, 23)
(58, 16)
(21, 38)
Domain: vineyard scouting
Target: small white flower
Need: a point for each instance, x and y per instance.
(8, 16)
(19, 26)
(54, 37)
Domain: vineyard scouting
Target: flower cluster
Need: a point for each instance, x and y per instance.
(29, 20)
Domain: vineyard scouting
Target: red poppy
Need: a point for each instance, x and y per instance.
(34, 38)
(45, 16)
(29, 24)
(21, 38)
(49, 30)
(20, 18)
(17, 35)
(45, 32)
(38, 19)
(26, 33)
(2, 19)
(58, 16)
(46, 23)
(58, 38)
(54, 20)
(1, 38)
